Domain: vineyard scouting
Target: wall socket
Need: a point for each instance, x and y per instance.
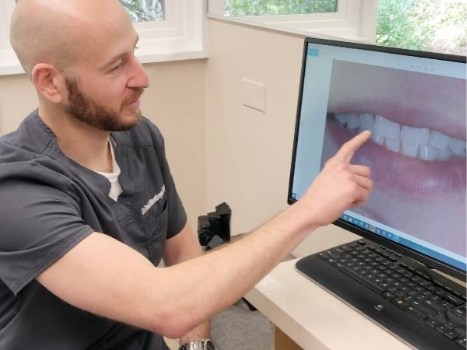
(254, 95)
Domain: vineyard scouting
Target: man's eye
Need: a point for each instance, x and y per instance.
(116, 67)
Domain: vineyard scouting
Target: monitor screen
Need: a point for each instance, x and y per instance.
(415, 105)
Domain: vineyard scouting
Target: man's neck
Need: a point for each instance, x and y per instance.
(86, 145)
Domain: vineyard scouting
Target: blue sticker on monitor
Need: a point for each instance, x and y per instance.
(313, 52)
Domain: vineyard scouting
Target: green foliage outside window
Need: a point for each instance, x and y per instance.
(431, 25)
(144, 10)
(278, 7)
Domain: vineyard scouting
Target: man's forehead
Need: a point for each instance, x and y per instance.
(120, 51)
(105, 39)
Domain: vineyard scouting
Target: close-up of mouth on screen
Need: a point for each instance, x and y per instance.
(417, 152)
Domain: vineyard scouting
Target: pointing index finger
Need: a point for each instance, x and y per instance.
(349, 148)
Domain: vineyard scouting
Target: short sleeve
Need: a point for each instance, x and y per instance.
(39, 224)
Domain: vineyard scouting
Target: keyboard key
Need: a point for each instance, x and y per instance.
(424, 308)
(462, 341)
(452, 299)
(451, 334)
(420, 315)
(359, 278)
(439, 307)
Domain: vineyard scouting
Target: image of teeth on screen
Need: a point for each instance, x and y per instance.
(417, 153)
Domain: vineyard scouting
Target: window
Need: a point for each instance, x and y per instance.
(437, 26)
(427, 25)
(237, 8)
(168, 30)
(8, 61)
(349, 19)
(144, 11)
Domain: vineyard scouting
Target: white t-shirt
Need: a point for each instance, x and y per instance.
(115, 188)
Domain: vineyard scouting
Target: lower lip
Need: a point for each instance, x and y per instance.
(135, 105)
(403, 174)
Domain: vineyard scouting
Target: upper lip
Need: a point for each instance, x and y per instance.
(407, 115)
(133, 101)
(135, 97)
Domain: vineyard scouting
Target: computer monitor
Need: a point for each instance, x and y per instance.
(415, 105)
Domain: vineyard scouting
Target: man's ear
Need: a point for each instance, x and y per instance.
(49, 82)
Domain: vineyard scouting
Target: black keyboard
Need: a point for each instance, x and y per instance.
(421, 307)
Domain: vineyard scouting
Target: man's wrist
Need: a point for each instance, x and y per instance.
(202, 344)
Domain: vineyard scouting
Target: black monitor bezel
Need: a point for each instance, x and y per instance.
(428, 261)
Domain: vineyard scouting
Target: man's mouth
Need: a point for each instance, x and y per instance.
(134, 102)
(135, 97)
(421, 143)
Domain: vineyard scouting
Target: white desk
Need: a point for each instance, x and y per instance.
(312, 317)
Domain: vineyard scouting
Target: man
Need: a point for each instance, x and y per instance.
(89, 205)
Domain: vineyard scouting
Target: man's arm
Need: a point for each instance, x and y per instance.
(182, 247)
(106, 277)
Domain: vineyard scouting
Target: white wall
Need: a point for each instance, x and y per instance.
(249, 152)
(17, 99)
(175, 102)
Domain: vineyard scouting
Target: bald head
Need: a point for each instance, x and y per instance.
(58, 32)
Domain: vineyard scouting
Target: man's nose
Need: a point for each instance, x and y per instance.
(139, 78)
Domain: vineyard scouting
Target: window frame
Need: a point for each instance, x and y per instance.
(354, 20)
(181, 35)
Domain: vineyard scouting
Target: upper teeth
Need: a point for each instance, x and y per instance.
(420, 143)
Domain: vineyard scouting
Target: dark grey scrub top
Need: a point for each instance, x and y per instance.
(48, 204)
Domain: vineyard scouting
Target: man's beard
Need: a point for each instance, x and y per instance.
(90, 112)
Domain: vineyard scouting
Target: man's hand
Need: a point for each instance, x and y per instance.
(340, 185)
